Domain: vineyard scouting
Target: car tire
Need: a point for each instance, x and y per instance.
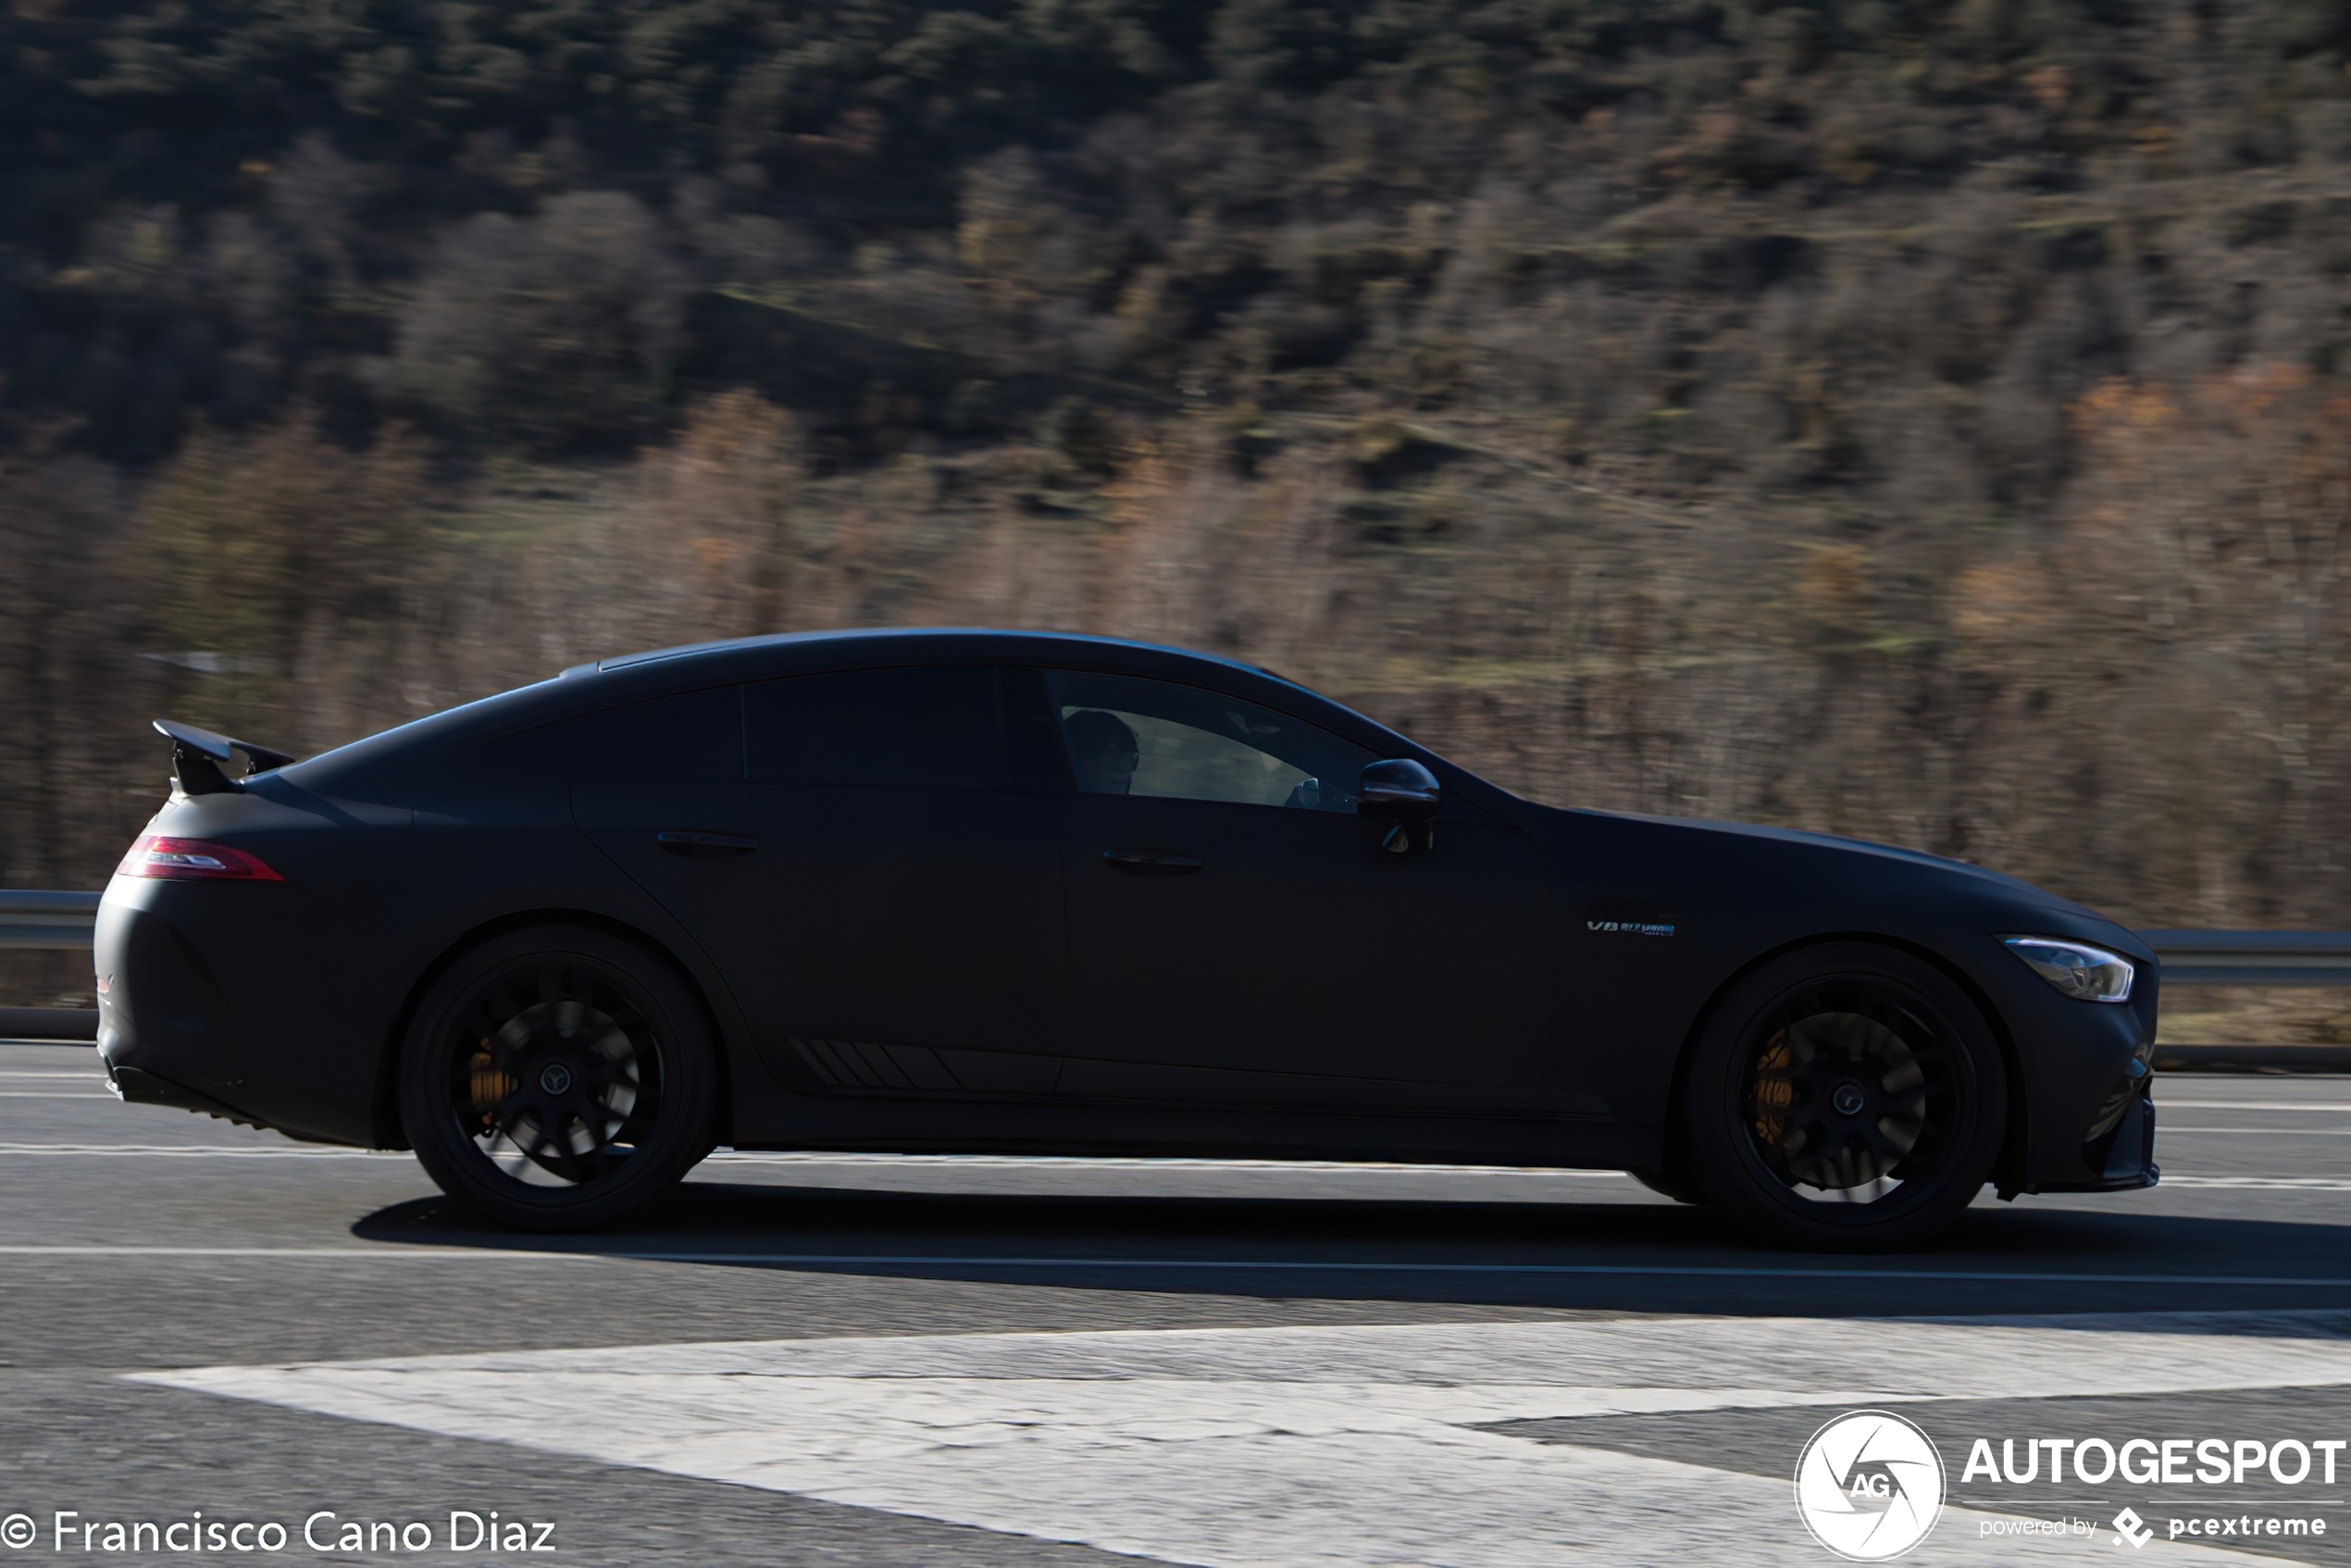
(1846, 1097)
(558, 1078)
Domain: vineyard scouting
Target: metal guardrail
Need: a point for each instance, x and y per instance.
(2253, 958)
(55, 922)
(61, 922)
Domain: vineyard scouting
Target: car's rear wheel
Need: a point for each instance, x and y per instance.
(557, 1078)
(1845, 1096)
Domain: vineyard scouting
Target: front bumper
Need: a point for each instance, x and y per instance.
(2082, 1115)
(2124, 1157)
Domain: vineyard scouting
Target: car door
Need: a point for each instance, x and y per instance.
(884, 902)
(1238, 936)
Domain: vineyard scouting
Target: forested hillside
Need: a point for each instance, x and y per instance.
(1922, 419)
(1727, 234)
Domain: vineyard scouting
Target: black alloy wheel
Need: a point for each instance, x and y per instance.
(1846, 1096)
(555, 1079)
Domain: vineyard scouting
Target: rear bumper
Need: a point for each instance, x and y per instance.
(163, 1022)
(141, 1087)
(227, 1005)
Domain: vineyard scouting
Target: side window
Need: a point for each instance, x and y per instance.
(1130, 737)
(694, 736)
(685, 738)
(935, 726)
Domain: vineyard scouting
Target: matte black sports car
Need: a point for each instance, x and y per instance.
(973, 890)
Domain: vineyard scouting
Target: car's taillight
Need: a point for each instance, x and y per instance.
(191, 860)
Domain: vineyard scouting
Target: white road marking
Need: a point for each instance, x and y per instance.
(1291, 1446)
(2263, 1131)
(807, 1159)
(854, 1260)
(78, 1077)
(53, 1094)
(2262, 1183)
(2171, 1103)
(199, 1150)
(339, 1254)
(1108, 1163)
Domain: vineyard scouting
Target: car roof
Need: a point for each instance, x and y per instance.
(629, 676)
(968, 641)
(801, 653)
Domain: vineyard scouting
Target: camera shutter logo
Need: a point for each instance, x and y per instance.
(1869, 1486)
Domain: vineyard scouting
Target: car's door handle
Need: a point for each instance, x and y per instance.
(695, 842)
(1151, 863)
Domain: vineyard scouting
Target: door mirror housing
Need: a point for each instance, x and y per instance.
(1399, 789)
(1406, 795)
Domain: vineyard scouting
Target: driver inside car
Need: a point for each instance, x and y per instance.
(1103, 749)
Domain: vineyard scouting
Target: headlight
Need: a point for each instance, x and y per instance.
(2080, 971)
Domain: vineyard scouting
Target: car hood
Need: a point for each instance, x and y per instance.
(2013, 888)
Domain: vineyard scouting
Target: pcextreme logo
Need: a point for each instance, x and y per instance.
(1869, 1486)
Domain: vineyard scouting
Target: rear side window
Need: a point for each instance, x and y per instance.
(934, 727)
(693, 736)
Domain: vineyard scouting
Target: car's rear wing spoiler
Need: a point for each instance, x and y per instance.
(196, 757)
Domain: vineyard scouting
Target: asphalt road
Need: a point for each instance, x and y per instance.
(982, 1361)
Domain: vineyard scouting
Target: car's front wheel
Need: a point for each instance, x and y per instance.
(557, 1078)
(1845, 1096)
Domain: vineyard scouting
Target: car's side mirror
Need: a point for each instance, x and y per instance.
(1407, 795)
